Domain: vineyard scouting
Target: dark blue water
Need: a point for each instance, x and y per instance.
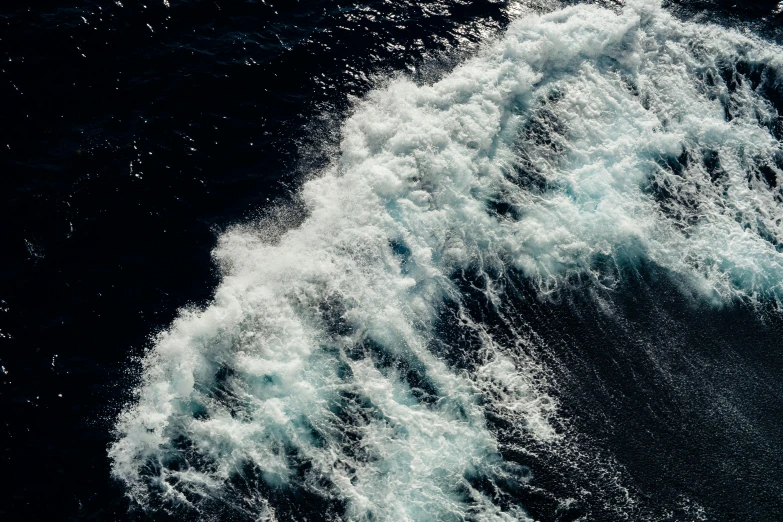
(133, 133)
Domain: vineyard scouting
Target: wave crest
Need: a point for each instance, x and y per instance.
(581, 138)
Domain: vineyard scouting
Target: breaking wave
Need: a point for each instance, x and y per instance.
(580, 141)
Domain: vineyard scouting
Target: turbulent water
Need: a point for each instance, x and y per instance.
(367, 355)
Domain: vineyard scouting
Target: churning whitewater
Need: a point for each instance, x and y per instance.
(581, 140)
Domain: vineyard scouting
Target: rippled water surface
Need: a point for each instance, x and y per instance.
(391, 261)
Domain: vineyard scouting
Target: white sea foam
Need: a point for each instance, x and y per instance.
(551, 151)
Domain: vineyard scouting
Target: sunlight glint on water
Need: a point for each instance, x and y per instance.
(580, 136)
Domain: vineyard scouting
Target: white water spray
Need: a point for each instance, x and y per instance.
(581, 135)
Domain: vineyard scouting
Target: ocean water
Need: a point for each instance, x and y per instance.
(394, 261)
